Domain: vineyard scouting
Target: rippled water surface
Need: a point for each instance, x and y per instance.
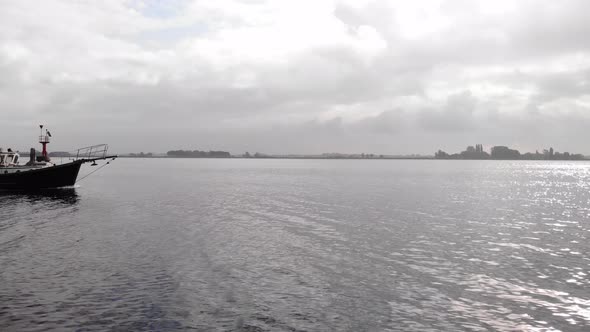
(301, 245)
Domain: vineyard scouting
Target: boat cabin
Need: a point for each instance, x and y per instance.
(8, 158)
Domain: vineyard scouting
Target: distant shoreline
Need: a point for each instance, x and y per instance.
(471, 153)
(324, 158)
(476, 152)
(281, 157)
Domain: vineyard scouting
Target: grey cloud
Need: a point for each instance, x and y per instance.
(90, 71)
(387, 122)
(570, 84)
(456, 115)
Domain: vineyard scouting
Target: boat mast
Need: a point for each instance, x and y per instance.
(44, 140)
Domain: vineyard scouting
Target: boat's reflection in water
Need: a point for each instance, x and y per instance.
(59, 197)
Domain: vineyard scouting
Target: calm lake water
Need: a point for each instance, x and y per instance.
(301, 245)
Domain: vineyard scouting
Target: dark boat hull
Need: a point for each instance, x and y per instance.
(48, 177)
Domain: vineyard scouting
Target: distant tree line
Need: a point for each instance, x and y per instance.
(141, 155)
(57, 154)
(255, 155)
(198, 154)
(505, 153)
(351, 156)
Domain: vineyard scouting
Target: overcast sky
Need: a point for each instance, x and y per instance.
(305, 76)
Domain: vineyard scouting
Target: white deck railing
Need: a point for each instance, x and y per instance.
(95, 151)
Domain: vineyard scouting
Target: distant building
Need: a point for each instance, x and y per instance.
(471, 152)
(476, 152)
(503, 152)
